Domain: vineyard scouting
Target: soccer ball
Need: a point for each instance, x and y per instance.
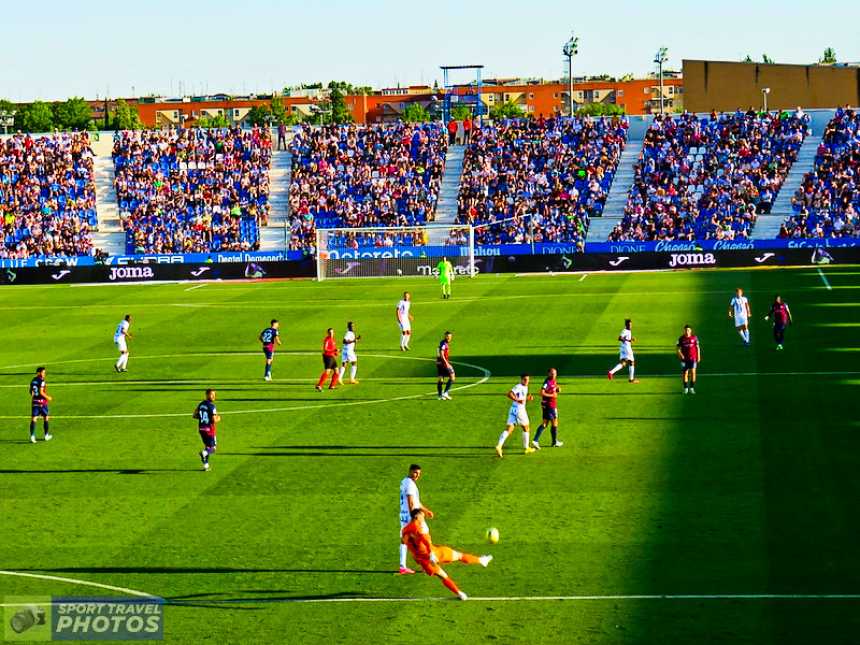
(493, 536)
(399, 271)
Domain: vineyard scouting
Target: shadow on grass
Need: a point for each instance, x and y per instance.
(318, 453)
(115, 471)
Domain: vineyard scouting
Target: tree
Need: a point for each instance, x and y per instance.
(219, 121)
(461, 112)
(125, 117)
(73, 114)
(258, 115)
(748, 59)
(767, 60)
(278, 111)
(35, 117)
(506, 110)
(415, 113)
(7, 111)
(339, 111)
(829, 57)
(600, 109)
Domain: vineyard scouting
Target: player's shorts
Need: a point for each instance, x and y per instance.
(626, 355)
(443, 370)
(121, 345)
(269, 351)
(405, 326)
(348, 356)
(689, 364)
(740, 321)
(39, 410)
(778, 326)
(518, 418)
(329, 362)
(548, 413)
(208, 437)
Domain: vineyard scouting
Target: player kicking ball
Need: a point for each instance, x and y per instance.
(347, 354)
(739, 309)
(690, 354)
(404, 321)
(625, 353)
(549, 409)
(270, 337)
(517, 415)
(207, 417)
(416, 537)
(120, 338)
(410, 500)
(39, 399)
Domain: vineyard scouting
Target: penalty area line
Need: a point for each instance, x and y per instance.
(73, 581)
(824, 279)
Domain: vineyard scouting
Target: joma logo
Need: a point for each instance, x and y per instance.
(131, 273)
(691, 259)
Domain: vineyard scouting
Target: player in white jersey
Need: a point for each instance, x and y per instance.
(409, 500)
(739, 309)
(404, 321)
(120, 338)
(625, 353)
(517, 415)
(347, 354)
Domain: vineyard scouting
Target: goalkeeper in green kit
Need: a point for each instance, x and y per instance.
(446, 275)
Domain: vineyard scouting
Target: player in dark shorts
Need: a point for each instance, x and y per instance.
(329, 361)
(270, 337)
(549, 409)
(781, 315)
(207, 417)
(690, 354)
(39, 403)
(444, 369)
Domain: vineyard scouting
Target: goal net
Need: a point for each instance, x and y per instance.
(379, 252)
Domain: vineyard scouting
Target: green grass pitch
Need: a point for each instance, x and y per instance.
(749, 487)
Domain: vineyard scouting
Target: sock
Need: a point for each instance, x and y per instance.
(406, 340)
(451, 585)
(322, 379)
(448, 385)
(632, 372)
(46, 426)
(539, 432)
(353, 370)
(468, 558)
(268, 369)
(334, 380)
(402, 556)
(439, 387)
(403, 340)
(692, 385)
(554, 431)
(616, 368)
(525, 439)
(125, 360)
(503, 438)
(746, 335)
(32, 427)
(119, 362)
(340, 372)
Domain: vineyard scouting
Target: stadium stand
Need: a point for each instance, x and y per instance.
(539, 180)
(351, 176)
(47, 195)
(828, 200)
(192, 190)
(709, 177)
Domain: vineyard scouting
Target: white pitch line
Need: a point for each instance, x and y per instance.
(584, 276)
(196, 286)
(824, 279)
(484, 371)
(74, 581)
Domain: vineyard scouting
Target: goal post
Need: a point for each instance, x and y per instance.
(383, 252)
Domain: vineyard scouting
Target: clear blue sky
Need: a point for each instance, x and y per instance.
(54, 49)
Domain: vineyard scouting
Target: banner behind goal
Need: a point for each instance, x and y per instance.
(378, 252)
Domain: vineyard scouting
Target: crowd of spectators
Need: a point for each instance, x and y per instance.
(192, 190)
(828, 201)
(47, 195)
(539, 180)
(364, 176)
(709, 178)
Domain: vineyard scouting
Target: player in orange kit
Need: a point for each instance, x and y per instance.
(416, 537)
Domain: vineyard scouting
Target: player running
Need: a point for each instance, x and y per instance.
(270, 337)
(781, 315)
(446, 276)
(517, 415)
(625, 353)
(444, 368)
(416, 537)
(39, 400)
(120, 338)
(739, 309)
(549, 409)
(347, 354)
(410, 501)
(329, 361)
(207, 417)
(690, 354)
(404, 320)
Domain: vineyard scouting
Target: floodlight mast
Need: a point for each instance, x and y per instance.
(570, 49)
(661, 57)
